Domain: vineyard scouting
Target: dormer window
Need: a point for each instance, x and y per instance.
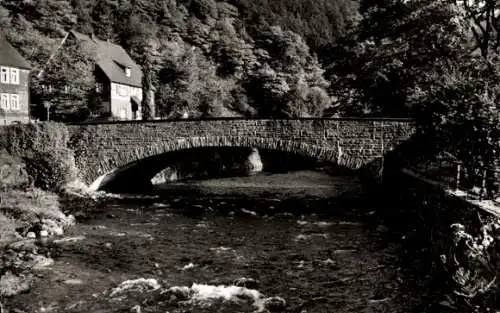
(128, 71)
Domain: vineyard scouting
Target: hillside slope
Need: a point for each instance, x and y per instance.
(205, 57)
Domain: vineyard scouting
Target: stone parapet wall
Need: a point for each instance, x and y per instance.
(353, 143)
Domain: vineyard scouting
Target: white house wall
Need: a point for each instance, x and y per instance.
(121, 106)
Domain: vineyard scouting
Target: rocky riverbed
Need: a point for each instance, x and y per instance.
(212, 247)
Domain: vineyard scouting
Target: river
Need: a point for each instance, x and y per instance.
(226, 246)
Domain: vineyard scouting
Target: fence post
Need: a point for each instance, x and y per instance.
(457, 183)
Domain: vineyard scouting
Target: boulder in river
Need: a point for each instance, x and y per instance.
(253, 164)
(249, 283)
(136, 285)
(275, 304)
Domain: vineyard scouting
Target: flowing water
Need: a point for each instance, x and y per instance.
(227, 247)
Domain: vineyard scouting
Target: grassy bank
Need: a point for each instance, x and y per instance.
(27, 214)
(33, 213)
(25, 218)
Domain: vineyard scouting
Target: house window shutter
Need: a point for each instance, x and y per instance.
(4, 75)
(14, 102)
(14, 76)
(4, 101)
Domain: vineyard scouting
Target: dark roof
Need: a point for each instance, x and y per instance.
(9, 56)
(113, 60)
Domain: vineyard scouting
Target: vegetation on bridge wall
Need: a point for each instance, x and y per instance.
(44, 149)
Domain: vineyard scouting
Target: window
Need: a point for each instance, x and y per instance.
(14, 76)
(4, 75)
(14, 102)
(4, 101)
(99, 87)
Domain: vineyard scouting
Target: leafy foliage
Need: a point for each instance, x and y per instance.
(70, 78)
(12, 172)
(320, 22)
(485, 28)
(220, 62)
(44, 149)
(392, 54)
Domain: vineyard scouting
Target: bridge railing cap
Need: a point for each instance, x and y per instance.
(367, 119)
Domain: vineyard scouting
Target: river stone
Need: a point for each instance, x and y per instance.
(249, 283)
(40, 261)
(23, 245)
(57, 231)
(44, 233)
(73, 282)
(170, 174)
(31, 235)
(275, 304)
(253, 164)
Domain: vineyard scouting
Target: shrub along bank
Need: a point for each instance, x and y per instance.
(43, 148)
(34, 163)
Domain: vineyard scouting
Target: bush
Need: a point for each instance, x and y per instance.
(7, 230)
(28, 206)
(49, 171)
(12, 172)
(44, 149)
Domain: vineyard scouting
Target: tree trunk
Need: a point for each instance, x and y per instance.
(148, 106)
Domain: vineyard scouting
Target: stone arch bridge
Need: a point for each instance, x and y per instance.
(104, 149)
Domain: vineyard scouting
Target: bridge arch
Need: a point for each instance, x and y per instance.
(127, 159)
(104, 148)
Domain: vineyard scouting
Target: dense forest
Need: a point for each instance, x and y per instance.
(204, 57)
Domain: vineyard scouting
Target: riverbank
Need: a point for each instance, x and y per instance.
(27, 218)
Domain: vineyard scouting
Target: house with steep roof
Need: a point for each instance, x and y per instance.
(118, 80)
(14, 85)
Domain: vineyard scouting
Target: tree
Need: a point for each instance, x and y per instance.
(83, 11)
(55, 17)
(319, 22)
(139, 37)
(103, 15)
(484, 16)
(459, 113)
(397, 44)
(4, 19)
(67, 82)
(290, 77)
(188, 83)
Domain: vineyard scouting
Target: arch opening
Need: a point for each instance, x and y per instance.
(209, 163)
